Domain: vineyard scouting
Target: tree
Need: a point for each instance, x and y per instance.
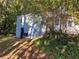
(11, 8)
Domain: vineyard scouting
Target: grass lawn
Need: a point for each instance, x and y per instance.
(61, 46)
(13, 48)
(57, 46)
(6, 44)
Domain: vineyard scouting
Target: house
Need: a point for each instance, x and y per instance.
(68, 27)
(30, 26)
(69, 22)
(63, 21)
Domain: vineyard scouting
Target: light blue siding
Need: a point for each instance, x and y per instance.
(33, 26)
(18, 27)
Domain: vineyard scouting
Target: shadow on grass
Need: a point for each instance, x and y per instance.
(11, 48)
(60, 45)
(5, 37)
(28, 52)
(8, 46)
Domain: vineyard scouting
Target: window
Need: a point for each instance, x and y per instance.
(56, 22)
(70, 23)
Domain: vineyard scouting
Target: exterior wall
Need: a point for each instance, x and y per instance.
(70, 28)
(68, 24)
(31, 24)
(18, 27)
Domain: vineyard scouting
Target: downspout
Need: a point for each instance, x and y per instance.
(60, 24)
